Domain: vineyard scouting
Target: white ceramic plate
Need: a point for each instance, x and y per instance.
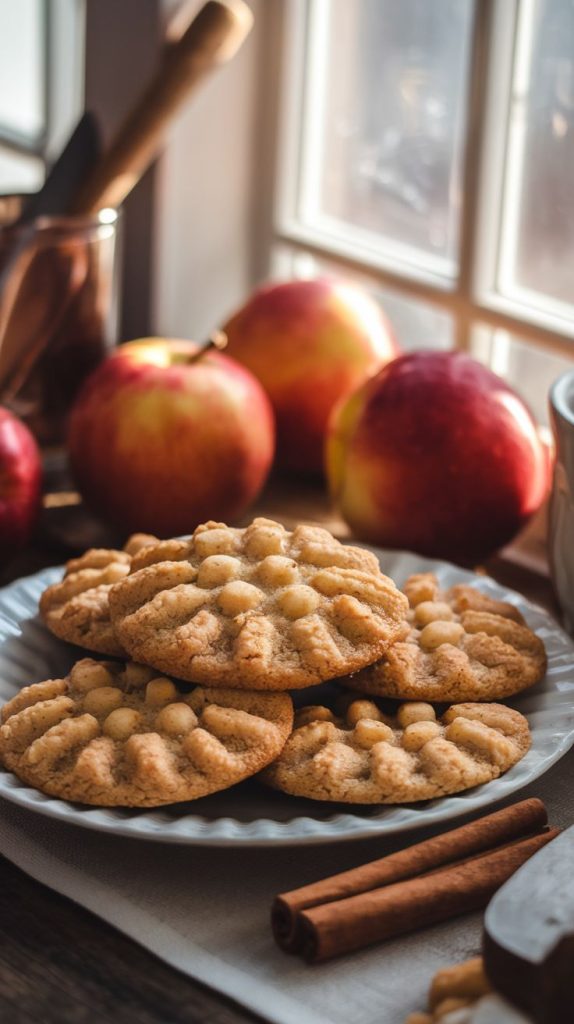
(249, 814)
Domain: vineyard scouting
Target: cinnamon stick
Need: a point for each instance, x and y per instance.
(520, 819)
(380, 914)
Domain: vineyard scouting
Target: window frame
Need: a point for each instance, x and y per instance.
(472, 297)
(63, 54)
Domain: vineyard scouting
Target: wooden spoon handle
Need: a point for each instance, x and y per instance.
(212, 38)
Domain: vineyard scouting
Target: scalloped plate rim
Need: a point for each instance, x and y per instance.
(304, 829)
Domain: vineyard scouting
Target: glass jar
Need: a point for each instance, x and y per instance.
(58, 311)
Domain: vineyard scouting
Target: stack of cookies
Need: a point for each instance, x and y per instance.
(210, 634)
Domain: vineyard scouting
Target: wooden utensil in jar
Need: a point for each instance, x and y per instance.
(212, 38)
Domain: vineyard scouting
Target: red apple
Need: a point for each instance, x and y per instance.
(160, 441)
(438, 455)
(309, 343)
(20, 484)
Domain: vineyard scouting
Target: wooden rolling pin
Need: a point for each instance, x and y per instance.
(212, 38)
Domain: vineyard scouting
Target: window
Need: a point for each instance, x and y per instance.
(428, 150)
(40, 93)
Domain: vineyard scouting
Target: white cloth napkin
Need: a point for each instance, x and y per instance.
(206, 912)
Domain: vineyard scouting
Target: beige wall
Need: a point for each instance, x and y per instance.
(197, 227)
(123, 46)
(213, 197)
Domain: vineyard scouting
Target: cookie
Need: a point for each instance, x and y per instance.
(114, 734)
(76, 609)
(462, 597)
(462, 646)
(261, 607)
(369, 757)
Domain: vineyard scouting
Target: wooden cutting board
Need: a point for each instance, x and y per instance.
(528, 941)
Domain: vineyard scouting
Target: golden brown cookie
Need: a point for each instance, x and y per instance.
(462, 597)
(261, 607)
(114, 734)
(76, 609)
(368, 757)
(462, 646)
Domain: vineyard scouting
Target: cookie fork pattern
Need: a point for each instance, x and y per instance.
(368, 757)
(462, 646)
(76, 609)
(260, 608)
(111, 734)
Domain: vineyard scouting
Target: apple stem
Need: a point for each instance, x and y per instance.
(217, 340)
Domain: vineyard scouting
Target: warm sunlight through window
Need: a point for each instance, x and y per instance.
(449, 189)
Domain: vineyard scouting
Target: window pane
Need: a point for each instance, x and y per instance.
(22, 66)
(538, 230)
(19, 173)
(529, 370)
(385, 123)
(416, 324)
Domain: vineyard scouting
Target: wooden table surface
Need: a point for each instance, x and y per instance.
(59, 964)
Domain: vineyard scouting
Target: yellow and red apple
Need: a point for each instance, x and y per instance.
(436, 454)
(309, 343)
(20, 484)
(163, 437)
